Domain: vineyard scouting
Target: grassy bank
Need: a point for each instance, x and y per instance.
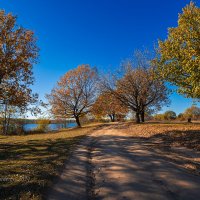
(171, 134)
(29, 164)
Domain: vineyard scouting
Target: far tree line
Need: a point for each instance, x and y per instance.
(190, 113)
(139, 86)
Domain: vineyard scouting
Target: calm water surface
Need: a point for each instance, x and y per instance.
(52, 127)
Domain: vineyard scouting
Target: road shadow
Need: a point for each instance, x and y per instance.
(127, 165)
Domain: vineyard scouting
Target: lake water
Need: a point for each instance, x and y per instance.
(51, 127)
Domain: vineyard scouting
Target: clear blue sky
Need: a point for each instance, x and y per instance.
(96, 32)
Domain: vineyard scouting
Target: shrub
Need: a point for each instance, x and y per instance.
(42, 125)
(159, 117)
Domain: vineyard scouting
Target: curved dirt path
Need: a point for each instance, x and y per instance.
(111, 165)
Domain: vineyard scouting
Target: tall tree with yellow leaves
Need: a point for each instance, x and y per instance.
(179, 54)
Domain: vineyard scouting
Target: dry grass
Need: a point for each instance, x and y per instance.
(182, 134)
(29, 164)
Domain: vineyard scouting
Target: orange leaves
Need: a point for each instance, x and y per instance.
(75, 93)
(108, 104)
(18, 53)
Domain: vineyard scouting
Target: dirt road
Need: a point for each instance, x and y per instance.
(110, 164)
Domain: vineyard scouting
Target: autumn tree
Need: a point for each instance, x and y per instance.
(18, 53)
(159, 117)
(11, 108)
(192, 113)
(179, 59)
(180, 116)
(108, 105)
(169, 115)
(18, 50)
(74, 93)
(137, 87)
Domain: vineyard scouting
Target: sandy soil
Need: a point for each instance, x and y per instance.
(109, 164)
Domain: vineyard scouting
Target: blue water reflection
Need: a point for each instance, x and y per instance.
(51, 127)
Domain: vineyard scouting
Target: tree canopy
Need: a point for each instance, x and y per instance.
(179, 59)
(18, 53)
(74, 93)
(137, 86)
(18, 50)
(192, 112)
(108, 105)
(169, 115)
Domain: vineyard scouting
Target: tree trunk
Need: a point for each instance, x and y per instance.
(5, 122)
(137, 117)
(142, 116)
(78, 121)
(112, 117)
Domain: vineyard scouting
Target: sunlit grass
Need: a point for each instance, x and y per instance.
(171, 133)
(29, 164)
